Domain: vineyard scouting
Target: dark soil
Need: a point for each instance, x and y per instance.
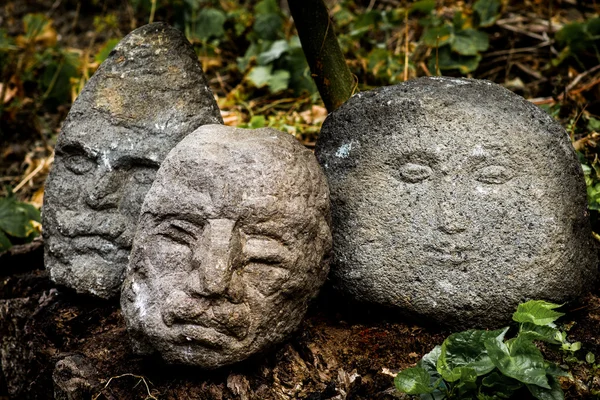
(57, 343)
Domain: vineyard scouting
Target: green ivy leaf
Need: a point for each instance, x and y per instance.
(538, 332)
(294, 61)
(257, 121)
(413, 381)
(501, 385)
(259, 76)
(429, 361)
(447, 59)
(105, 50)
(35, 24)
(538, 312)
(519, 359)
(593, 124)
(470, 42)
(487, 11)
(467, 350)
(555, 371)
(16, 217)
(5, 244)
(279, 80)
(275, 51)
(437, 36)
(266, 7)
(210, 24)
(423, 6)
(268, 21)
(554, 392)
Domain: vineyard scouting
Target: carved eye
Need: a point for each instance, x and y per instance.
(144, 175)
(179, 231)
(414, 173)
(265, 277)
(494, 174)
(79, 164)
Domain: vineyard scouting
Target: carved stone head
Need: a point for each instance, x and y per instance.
(454, 200)
(141, 102)
(232, 242)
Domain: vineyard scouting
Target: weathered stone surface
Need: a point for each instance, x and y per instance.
(148, 95)
(454, 199)
(232, 242)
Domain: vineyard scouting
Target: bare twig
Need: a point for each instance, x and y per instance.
(519, 30)
(30, 176)
(141, 378)
(579, 77)
(520, 50)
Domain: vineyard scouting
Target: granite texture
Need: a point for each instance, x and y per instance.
(147, 96)
(233, 241)
(453, 200)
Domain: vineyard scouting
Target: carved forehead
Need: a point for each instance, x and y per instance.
(220, 169)
(447, 116)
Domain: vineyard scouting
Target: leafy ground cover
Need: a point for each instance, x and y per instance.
(546, 51)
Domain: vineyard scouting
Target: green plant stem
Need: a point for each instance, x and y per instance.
(322, 50)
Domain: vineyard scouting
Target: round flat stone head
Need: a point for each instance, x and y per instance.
(233, 241)
(454, 200)
(147, 96)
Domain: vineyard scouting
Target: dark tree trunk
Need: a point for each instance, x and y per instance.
(323, 53)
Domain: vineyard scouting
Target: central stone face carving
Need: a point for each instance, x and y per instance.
(454, 199)
(232, 242)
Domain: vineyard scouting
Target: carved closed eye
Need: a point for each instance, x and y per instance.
(494, 174)
(179, 231)
(79, 164)
(267, 278)
(413, 173)
(144, 175)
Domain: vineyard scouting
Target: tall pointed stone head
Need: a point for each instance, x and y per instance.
(145, 98)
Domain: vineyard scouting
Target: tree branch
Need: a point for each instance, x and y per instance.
(322, 50)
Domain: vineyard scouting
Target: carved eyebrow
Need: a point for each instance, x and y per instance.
(427, 156)
(266, 249)
(138, 160)
(76, 147)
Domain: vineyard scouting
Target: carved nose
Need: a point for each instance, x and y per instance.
(213, 259)
(451, 219)
(104, 192)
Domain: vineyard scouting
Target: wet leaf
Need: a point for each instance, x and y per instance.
(467, 350)
(469, 42)
(274, 52)
(538, 312)
(105, 50)
(554, 392)
(538, 332)
(210, 24)
(502, 386)
(438, 35)
(423, 6)
(487, 11)
(16, 217)
(519, 359)
(413, 381)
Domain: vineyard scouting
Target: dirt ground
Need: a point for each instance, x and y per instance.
(58, 344)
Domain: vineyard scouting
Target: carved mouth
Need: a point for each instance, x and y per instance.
(448, 254)
(108, 225)
(202, 315)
